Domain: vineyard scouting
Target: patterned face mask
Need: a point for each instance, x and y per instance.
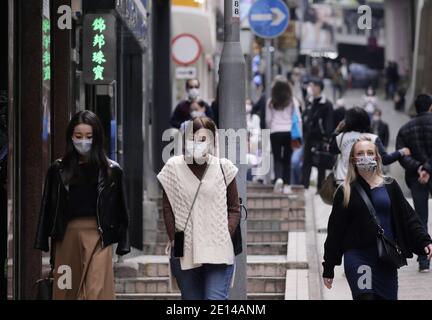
(366, 163)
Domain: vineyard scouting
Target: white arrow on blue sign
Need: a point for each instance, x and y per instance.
(268, 18)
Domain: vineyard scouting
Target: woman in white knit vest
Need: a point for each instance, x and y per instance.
(204, 270)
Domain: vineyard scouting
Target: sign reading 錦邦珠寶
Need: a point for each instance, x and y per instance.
(99, 49)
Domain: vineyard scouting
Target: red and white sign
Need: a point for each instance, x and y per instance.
(186, 49)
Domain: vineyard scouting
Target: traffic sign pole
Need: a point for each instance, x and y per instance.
(232, 115)
(268, 70)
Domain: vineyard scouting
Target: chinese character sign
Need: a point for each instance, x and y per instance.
(99, 49)
(46, 56)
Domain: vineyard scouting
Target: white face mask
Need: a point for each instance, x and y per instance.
(193, 93)
(366, 163)
(309, 91)
(248, 107)
(195, 113)
(82, 146)
(376, 118)
(197, 149)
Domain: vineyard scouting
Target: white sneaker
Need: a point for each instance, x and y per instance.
(278, 186)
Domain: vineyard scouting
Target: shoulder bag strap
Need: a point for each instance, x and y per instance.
(196, 195)
(242, 206)
(368, 203)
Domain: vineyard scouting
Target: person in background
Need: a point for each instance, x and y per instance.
(357, 124)
(280, 112)
(380, 128)
(215, 107)
(254, 132)
(399, 99)
(339, 111)
(318, 126)
(417, 136)
(352, 233)
(296, 83)
(370, 101)
(198, 109)
(84, 212)
(338, 83)
(183, 109)
(345, 75)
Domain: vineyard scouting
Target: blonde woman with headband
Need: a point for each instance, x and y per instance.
(367, 205)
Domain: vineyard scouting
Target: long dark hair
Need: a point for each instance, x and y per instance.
(97, 156)
(281, 94)
(357, 119)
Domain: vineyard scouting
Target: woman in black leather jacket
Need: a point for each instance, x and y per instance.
(84, 212)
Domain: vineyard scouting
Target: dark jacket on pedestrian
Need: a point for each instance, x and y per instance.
(417, 136)
(111, 211)
(182, 113)
(259, 109)
(318, 119)
(354, 228)
(381, 129)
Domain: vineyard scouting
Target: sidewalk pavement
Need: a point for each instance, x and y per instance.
(412, 284)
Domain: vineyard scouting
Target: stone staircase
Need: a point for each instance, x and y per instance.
(275, 247)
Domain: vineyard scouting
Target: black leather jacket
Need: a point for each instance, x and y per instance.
(112, 213)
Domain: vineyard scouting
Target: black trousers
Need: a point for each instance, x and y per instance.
(281, 147)
(307, 164)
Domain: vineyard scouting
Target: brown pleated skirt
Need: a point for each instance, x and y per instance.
(91, 266)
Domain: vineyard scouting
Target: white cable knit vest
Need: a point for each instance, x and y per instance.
(207, 238)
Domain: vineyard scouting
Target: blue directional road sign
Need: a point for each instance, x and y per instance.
(268, 18)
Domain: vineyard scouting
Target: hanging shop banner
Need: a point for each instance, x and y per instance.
(317, 31)
(99, 49)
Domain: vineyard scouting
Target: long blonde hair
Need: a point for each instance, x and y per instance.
(352, 174)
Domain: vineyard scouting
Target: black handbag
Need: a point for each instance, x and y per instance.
(237, 236)
(44, 287)
(388, 251)
(322, 158)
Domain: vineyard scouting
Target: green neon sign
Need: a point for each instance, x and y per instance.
(99, 48)
(98, 57)
(46, 55)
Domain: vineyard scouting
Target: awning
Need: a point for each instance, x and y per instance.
(197, 22)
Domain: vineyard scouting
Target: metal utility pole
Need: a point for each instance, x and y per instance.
(268, 70)
(232, 115)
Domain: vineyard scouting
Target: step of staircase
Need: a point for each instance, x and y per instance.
(160, 285)
(257, 265)
(276, 248)
(263, 248)
(176, 296)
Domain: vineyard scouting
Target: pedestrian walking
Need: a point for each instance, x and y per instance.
(318, 126)
(417, 136)
(380, 128)
(201, 211)
(253, 127)
(282, 115)
(369, 211)
(357, 124)
(197, 109)
(182, 112)
(370, 101)
(84, 213)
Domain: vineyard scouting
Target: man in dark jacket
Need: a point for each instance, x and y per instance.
(182, 111)
(380, 128)
(417, 136)
(318, 125)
